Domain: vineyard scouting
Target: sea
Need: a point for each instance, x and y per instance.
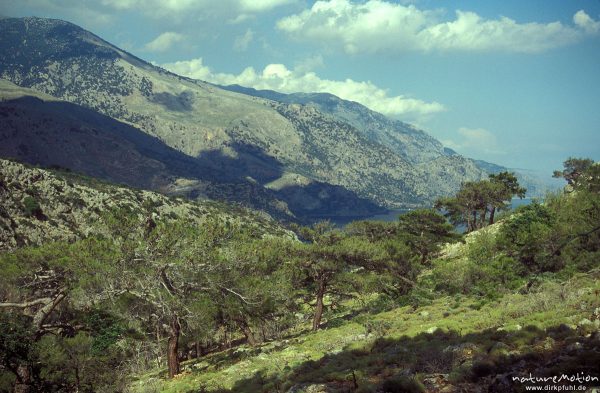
(393, 214)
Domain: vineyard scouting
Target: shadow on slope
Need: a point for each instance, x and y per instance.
(57, 133)
(321, 201)
(490, 360)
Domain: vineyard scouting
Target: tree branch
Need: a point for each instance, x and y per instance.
(241, 297)
(42, 314)
(32, 303)
(557, 251)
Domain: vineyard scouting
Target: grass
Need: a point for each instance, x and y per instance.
(456, 336)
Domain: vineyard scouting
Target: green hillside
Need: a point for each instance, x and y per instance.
(150, 294)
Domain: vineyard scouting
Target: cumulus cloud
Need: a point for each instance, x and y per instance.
(279, 78)
(103, 11)
(164, 42)
(241, 42)
(474, 141)
(379, 26)
(162, 7)
(585, 22)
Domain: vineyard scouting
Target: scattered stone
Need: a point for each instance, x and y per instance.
(424, 314)
(309, 388)
(510, 328)
(584, 322)
(432, 329)
(574, 347)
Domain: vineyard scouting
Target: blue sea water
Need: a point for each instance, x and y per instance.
(393, 214)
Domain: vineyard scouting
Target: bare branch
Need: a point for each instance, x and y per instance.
(240, 296)
(32, 303)
(42, 314)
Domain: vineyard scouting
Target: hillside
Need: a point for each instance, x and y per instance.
(414, 145)
(474, 322)
(436, 164)
(450, 345)
(112, 289)
(286, 144)
(40, 206)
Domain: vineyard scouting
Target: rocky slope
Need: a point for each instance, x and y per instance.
(414, 145)
(296, 150)
(436, 165)
(39, 206)
(39, 129)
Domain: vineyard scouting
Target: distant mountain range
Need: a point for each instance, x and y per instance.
(72, 99)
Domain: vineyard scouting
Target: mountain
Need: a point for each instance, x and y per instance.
(414, 145)
(439, 165)
(315, 158)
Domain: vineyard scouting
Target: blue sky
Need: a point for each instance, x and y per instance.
(513, 82)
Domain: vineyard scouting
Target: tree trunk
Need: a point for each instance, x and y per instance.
(319, 305)
(245, 328)
(77, 380)
(199, 350)
(173, 348)
(469, 222)
(492, 214)
(23, 382)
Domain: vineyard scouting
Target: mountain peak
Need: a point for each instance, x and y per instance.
(354, 158)
(33, 41)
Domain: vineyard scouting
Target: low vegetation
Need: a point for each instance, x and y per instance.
(157, 303)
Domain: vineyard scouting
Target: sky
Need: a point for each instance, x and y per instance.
(513, 82)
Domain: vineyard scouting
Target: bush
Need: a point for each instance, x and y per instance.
(402, 384)
(482, 248)
(489, 279)
(31, 207)
(528, 237)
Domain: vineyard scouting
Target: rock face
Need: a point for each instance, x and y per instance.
(311, 155)
(438, 166)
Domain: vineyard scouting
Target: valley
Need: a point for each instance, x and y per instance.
(167, 233)
(316, 156)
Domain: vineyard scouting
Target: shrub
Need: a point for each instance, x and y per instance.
(32, 207)
(489, 279)
(402, 384)
(483, 247)
(527, 236)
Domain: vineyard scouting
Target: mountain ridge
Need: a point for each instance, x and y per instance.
(414, 144)
(289, 145)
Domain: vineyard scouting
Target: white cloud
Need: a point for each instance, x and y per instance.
(475, 140)
(163, 7)
(310, 63)
(380, 26)
(97, 12)
(584, 21)
(262, 5)
(155, 5)
(239, 19)
(241, 42)
(164, 42)
(279, 78)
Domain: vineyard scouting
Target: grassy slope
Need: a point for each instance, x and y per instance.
(453, 342)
